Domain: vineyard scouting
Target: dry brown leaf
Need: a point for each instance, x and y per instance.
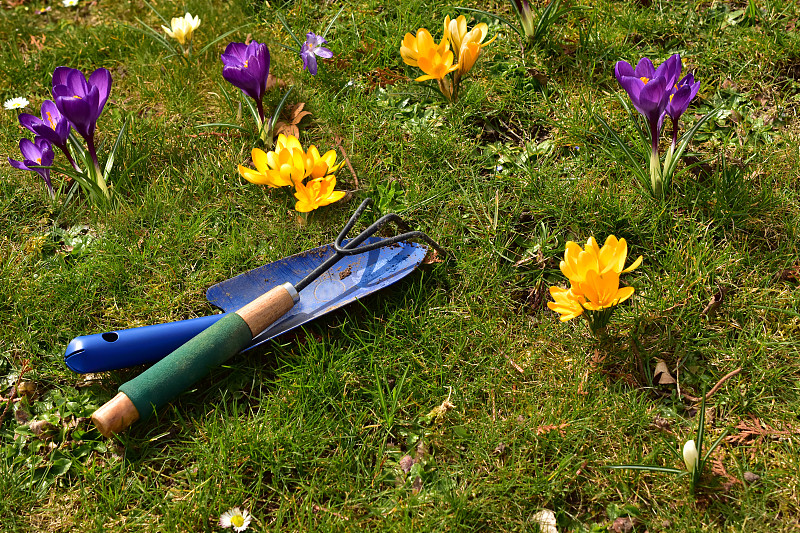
(661, 374)
(541, 430)
(432, 257)
(406, 463)
(274, 81)
(38, 42)
(416, 487)
(296, 114)
(623, 524)
(42, 428)
(715, 302)
(755, 431)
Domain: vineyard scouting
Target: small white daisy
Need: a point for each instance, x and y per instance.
(69, 3)
(16, 103)
(235, 518)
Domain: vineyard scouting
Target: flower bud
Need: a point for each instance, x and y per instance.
(690, 456)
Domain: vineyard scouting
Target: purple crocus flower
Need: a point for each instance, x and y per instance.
(81, 101)
(683, 93)
(53, 126)
(38, 152)
(246, 66)
(312, 49)
(649, 89)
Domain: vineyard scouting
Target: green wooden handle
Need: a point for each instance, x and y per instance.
(166, 379)
(139, 398)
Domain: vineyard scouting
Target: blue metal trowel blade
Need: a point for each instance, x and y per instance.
(350, 278)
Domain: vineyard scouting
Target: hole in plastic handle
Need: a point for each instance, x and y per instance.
(110, 336)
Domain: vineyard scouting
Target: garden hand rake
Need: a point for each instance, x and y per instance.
(140, 397)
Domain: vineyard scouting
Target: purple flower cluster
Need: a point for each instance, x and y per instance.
(77, 103)
(656, 92)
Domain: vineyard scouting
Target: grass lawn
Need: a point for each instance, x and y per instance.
(455, 400)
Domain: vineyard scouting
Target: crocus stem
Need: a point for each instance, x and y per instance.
(260, 108)
(92, 151)
(674, 134)
(445, 89)
(70, 159)
(655, 174)
(98, 173)
(655, 161)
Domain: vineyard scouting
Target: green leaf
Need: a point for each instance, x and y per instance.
(218, 39)
(497, 17)
(649, 468)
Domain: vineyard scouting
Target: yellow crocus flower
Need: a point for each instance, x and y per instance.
(602, 291)
(414, 46)
(435, 64)
(456, 29)
(610, 258)
(320, 166)
(316, 193)
(281, 167)
(467, 44)
(566, 303)
(182, 28)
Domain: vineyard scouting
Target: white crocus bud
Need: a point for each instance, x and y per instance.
(690, 456)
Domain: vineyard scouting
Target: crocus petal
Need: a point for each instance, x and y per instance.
(101, 78)
(653, 95)
(634, 265)
(670, 70)
(310, 63)
(644, 69)
(633, 86)
(254, 176)
(566, 304)
(623, 68)
(691, 457)
(679, 101)
(17, 164)
(79, 113)
(29, 150)
(247, 67)
(260, 159)
(60, 75)
(323, 52)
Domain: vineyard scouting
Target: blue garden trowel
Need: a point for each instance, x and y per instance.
(383, 262)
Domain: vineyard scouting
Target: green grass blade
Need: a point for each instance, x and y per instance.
(219, 38)
(716, 443)
(328, 27)
(112, 154)
(497, 17)
(154, 10)
(223, 125)
(289, 29)
(648, 468)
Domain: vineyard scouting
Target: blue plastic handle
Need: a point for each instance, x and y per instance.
(131, 347)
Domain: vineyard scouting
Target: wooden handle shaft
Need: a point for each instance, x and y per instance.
(140, 397)
(116, 415)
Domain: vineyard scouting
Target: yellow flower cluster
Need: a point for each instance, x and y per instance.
(438, 60)
(311, 174)
(593, 273)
